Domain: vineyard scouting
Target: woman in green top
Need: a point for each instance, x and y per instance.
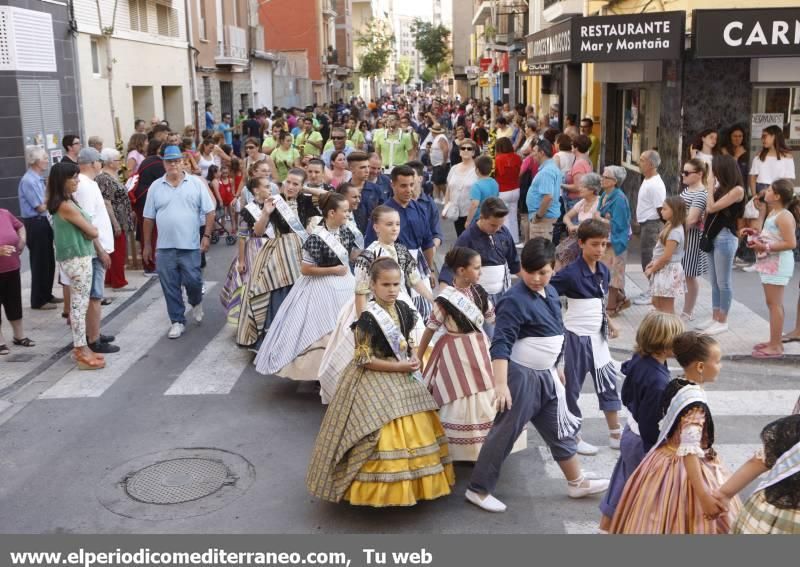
(355, 135)
(285, 156)
(73, 233)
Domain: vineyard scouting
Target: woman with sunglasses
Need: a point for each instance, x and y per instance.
(460, 180)
(695, 263)
(73, 235)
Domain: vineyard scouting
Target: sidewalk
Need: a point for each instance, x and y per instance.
(49, 330)
(746, 327)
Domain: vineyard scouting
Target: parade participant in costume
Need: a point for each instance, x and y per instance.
(415, 231)
(277, 266)
(671, 491)
(381, 442)
(249, 244)
(315, 186)
(774, 506)
(459, 373)
(527, 345)
(339, 351)
(585, 284)
(646, 377)
(296, 340)
(490, 238)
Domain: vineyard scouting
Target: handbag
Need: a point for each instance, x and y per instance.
(449, 212)
(706, 242)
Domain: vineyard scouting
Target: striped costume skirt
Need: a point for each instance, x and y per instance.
(276, 266)
(302, 326)
(695, 261)
(659, 499)
(235, 283)
(760, 517)
(459, 377)
(341, 345)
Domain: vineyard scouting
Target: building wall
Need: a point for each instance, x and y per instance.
(262, 79)
(12, 143)
(172, 71)
(285, 31)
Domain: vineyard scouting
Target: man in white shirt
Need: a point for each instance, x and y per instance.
(648, 210)
(90, 199)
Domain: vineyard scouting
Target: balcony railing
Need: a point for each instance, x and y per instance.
(329, 8)
(232, 50)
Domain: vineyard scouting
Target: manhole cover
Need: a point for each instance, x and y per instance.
(176, 481)
(180, 483)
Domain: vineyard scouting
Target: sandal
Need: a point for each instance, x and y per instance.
(786, 339)
(766, 355)
(25, 342)
(4, 350)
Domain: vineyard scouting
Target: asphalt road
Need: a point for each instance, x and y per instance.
(69, 439)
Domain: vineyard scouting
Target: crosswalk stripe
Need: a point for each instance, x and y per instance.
(733, 455)
(581, 527)
(136, 339)
(216, 370)
(721, 402)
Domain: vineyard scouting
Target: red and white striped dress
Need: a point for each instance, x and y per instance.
(459, 376)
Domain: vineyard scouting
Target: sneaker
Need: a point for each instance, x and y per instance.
(197, 313)
(687, 317)
(585, 448)
(644, 299)
(749, 269)
(703, 325)
(586, 487)
(175, 330)
(150, 274)
(103, 348)
(203, 289)
(488, 502)
(716, 329)
(613, 442)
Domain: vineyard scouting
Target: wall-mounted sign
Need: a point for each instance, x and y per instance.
(550, 45)
(637, 37)
(763, 120)
(483, 81)
(539, 69)
(757, 32)
(486, 63)
(472, 70)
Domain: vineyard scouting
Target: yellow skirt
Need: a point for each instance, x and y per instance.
(410, 463)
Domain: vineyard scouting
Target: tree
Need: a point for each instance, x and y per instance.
(107, 32)
(431, 41)
(376, 39)
(403, 71)
(428, 74)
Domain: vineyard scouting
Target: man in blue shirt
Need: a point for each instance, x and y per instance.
(415, 231)
(175, 203)
(371, 194)
(226, 128)
(33, 210)
(427, 203)
(544, 205)
(209, 116)
(377, 176)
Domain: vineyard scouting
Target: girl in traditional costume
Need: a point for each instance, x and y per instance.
(459, 372)
(527, 345)
(277, 264)
(296, 340)
(249, 244)
(646, 378)
(381, 442)
(672, 490)
(774, 506)
(339, 351)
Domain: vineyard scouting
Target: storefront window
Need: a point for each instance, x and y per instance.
(777, 105)
(640, 109)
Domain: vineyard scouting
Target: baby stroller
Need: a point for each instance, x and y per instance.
(220, 229)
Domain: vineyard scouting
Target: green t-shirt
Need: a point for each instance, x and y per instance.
(357, 138)
(393, 148)
(284, 161)
(594, 150)
(302, 142)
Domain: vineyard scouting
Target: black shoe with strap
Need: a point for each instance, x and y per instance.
(103, 348)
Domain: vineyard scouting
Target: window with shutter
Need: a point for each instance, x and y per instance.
(40, 109)
(95, 57)
(167, 20)
(138, 12)
(26, 40)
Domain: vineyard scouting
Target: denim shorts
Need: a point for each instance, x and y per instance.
(98, 279)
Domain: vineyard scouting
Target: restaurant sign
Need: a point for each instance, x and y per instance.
(768, 32)
(636, 37)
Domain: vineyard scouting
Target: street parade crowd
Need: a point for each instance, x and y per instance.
(334, 216)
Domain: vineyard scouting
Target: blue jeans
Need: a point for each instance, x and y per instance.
(179, 268)
(721, 264)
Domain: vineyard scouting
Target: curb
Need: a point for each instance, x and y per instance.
(56, 356)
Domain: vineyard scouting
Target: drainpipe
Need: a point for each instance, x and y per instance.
(191, 50)
(584, 75)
